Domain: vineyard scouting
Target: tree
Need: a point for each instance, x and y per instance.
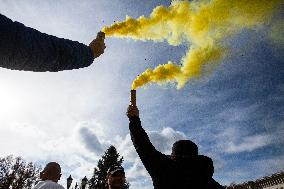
(110, 158)
(15, 173)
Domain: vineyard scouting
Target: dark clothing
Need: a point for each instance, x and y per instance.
(168, 172)
(24, 48)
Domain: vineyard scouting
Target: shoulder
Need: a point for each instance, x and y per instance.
(39, 184)
(60, 186)
(4, 18)
(48, 185)
(206, 159)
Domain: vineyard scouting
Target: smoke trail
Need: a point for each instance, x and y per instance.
(203, 25)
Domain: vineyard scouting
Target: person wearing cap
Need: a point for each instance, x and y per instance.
(115, 178)
(183, 169)
(49, 177)
(24, 48)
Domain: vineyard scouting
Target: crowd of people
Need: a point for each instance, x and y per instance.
(24, 48)
(51, 174)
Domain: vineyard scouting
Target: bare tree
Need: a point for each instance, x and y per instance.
(15, 173)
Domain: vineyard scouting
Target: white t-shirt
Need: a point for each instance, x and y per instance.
(48, 184)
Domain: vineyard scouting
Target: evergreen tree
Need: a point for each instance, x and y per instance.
(110, 158)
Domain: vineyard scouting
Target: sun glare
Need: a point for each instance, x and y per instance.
(10, 100)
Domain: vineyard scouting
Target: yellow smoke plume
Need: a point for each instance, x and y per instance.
(202, 25)
(277, 32)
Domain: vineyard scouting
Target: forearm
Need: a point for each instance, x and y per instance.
(71, 54)
(150, 157)
(215, 185)
(140, 138)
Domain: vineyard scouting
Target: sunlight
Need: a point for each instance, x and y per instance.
(10, 100)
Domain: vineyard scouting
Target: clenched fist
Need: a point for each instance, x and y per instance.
(98, 44)
(132, 111)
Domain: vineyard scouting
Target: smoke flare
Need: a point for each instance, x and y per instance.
(202, 25)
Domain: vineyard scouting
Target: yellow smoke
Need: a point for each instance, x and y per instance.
(277, 32)
(203, 25)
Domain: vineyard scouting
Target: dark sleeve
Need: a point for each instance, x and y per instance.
(215, 185)
(207, 170)
(24, 48)
(150, 157)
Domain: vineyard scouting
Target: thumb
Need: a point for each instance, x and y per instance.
(101, 35)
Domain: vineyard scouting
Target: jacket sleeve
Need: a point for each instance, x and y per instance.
(207, 170)
(215, 185)
(150, 157)
(24, 48)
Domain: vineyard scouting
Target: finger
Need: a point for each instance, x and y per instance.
(130, 106)
(101, 35)
(131, 111)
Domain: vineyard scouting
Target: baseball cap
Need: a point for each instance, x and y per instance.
(115, 170)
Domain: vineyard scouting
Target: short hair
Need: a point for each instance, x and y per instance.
(184, 148)
(51, 171)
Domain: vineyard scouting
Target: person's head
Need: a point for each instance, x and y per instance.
(184, 148)
(52, 171)
(115, 177)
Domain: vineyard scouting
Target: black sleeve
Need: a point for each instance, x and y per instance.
(150, 157)
(206, 169)
(215, 185)
(24, 48)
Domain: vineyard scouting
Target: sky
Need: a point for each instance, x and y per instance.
(234, 114)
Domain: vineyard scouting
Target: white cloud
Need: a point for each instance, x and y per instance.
(90, 140)
(127, 149)
(248, 144)
(261, 168)
(141, 184)
(27, 130)
(137, 170)
(163, 141)
(238, 113)
(236, 140)
(77, 153)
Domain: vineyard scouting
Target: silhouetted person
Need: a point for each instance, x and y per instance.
(24, 48)
(115, 178)
(183, 169)
(49, 177)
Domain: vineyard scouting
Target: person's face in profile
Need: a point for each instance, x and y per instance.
(51, 173)
(116, 179)
(59, 176)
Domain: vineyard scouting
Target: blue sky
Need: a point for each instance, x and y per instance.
(234, 114)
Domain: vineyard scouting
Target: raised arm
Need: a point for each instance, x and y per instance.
(150, 157)
(24, 48)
